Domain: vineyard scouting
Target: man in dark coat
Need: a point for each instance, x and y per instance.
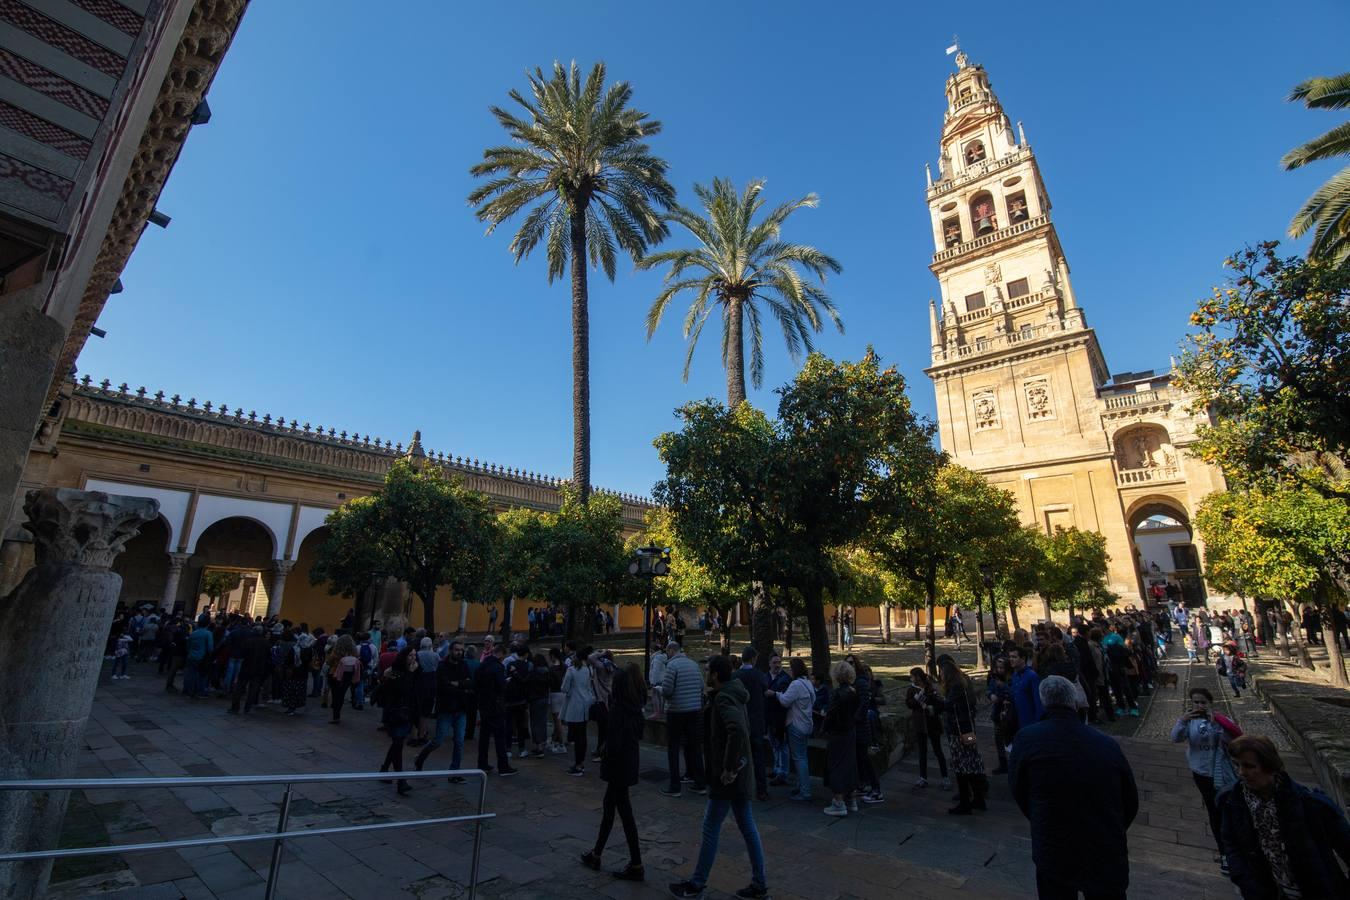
(1075, 786)
(756, 683)
(1311, 832)
(255, 662)
(731, 782)
(490, 686)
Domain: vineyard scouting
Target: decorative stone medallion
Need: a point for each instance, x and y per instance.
(1040, 404)
(984, 406)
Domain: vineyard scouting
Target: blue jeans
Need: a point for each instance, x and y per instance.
(231, 673)
(359, 695)
(192, 680)
(713, 817)
(797, 746)
(780, 755)
(119, 665)
(447, 723)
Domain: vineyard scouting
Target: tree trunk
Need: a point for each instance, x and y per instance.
(885, 623)
(930, 595)
(815, 625)
(1012, 609)
(761, 623)
(735, 360)
(839, 627)
(725, 643)
(581, 362)
(1334, 648)
(1304, 656)
(979, 630)
(428, 598)
(917, 635)
(1048, 614)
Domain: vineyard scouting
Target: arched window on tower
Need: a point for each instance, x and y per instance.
(974, 152)
(951, 232)
(982, 213)
(1017, 208)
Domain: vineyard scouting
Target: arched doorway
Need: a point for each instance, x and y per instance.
(228, 568)
(144, 564)
(1166, 558)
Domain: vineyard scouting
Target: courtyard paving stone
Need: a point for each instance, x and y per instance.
(906, 846)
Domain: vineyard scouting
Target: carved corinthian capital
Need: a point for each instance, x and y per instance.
(87, 528)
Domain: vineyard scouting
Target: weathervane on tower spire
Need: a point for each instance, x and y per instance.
(961, 59)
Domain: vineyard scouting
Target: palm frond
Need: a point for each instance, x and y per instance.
(1321, 206)
(1335, 142)
(1328, 92)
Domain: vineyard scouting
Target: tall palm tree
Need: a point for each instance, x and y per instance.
(740, 269)
(578, 156)
(1327, 211)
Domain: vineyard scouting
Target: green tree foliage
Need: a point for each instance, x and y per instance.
(579, 161)
(690, 582)
(1071, 571)
(1327, 211)
(217, 583)
(996, 541)
(766, 501)
(574, 558)
(743, 270)
(422, 526)
(1270, 362)
(1280, 540)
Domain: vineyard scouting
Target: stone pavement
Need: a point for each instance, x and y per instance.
(906, 846)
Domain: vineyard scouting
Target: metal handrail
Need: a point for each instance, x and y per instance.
(279, 837)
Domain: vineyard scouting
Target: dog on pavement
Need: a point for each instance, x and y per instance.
(1166, 678)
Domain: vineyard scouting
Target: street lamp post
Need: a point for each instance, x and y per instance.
(987, 576)
(649, 562)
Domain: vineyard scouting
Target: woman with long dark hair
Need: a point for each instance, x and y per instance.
(958, 704)
(398, 697)
(619, 768)
(924, 701)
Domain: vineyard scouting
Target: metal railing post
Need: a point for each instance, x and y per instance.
(274, 870)
(477, 835)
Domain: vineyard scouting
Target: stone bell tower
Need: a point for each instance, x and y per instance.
(1015, 365)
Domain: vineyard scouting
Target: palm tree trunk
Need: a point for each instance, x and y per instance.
(735, 353)
(581, 362)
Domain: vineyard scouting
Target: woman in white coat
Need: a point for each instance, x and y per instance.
(578, 698)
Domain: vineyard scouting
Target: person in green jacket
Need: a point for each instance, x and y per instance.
(731, 782)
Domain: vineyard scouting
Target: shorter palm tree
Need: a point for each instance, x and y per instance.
(1327, 211)
(742, 269)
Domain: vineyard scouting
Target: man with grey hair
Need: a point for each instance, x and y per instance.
(1077, 789)
(682, 688)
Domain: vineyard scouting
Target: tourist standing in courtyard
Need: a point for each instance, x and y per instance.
(1207, 736)
(924, 701)
(775, 717)
(958, 708)
(1281, 839)
(841, 763)
(344, 675)
(578, 698)
(454, 684)
(619, 767)
(490, 688)
(398, 699)
(1024, 686)
(757, 684)
(798, 700)
(1077, 789)
(732, 783)
(682, 686)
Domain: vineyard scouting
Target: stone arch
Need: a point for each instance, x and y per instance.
(144, 563)
(983, 215)
(1162, 538)
(312, 603)
(234, 543)
(274, 518)
(1144, 445)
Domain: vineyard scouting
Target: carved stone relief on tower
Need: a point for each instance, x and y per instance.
(984, 407)
(1040, 402)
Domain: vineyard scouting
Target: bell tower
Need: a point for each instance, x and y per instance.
(1012, 355)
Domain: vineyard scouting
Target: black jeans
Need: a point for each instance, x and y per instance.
(1049, 889)
(576, 736)
(337, 691)
(246, 689)
(933, 737)
(518, 725)
(393, 757)
(1205, 785)
(867, 773)
(494, 729)
(616, 798)
(759, 752)
(685, 729)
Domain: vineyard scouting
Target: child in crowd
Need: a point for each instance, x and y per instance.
(121, 655)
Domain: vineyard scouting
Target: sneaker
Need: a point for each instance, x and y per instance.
(595, 757)
(946, 784)
(669, 793)
(685, 889)
(874, 797)
(836, 809)
(509, 754)
(751, 892)
(506, 772)
(700, 789)
(852, 805)
(921, 782)
(577, 771)
(590, 860)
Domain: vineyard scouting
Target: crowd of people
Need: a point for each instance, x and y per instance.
(736, 729)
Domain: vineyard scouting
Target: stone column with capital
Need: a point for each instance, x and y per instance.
(280, 569)
(176, 563)
(70, 591)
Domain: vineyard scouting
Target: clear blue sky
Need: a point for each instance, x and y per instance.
(323, 264)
